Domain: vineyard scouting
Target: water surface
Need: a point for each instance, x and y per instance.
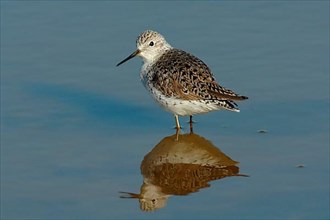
(75, 129)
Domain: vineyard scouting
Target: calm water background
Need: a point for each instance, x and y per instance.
(75, 128)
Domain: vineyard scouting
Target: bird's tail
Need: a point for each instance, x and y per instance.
(228, 105)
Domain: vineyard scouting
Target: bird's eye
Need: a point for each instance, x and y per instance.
(151, 43)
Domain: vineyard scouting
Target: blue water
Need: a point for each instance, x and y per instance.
(75, 128)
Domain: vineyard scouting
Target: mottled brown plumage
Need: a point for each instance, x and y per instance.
(181, 75)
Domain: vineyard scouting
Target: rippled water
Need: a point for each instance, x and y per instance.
(76, 130)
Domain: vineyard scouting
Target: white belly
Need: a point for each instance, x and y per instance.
(183, 107)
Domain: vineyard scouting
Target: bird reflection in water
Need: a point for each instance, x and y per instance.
(179, 165)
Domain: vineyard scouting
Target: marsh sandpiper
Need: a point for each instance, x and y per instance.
(180, 82)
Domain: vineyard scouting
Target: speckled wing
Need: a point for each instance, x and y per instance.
(182, 75)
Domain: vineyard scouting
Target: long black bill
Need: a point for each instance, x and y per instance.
(129, 57)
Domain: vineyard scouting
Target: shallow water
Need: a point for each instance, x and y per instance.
(75, 129)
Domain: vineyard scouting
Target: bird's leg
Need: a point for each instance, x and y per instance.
(177, 133)
(177, 122)
(191, 124)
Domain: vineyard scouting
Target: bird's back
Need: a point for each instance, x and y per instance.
(181, 75)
